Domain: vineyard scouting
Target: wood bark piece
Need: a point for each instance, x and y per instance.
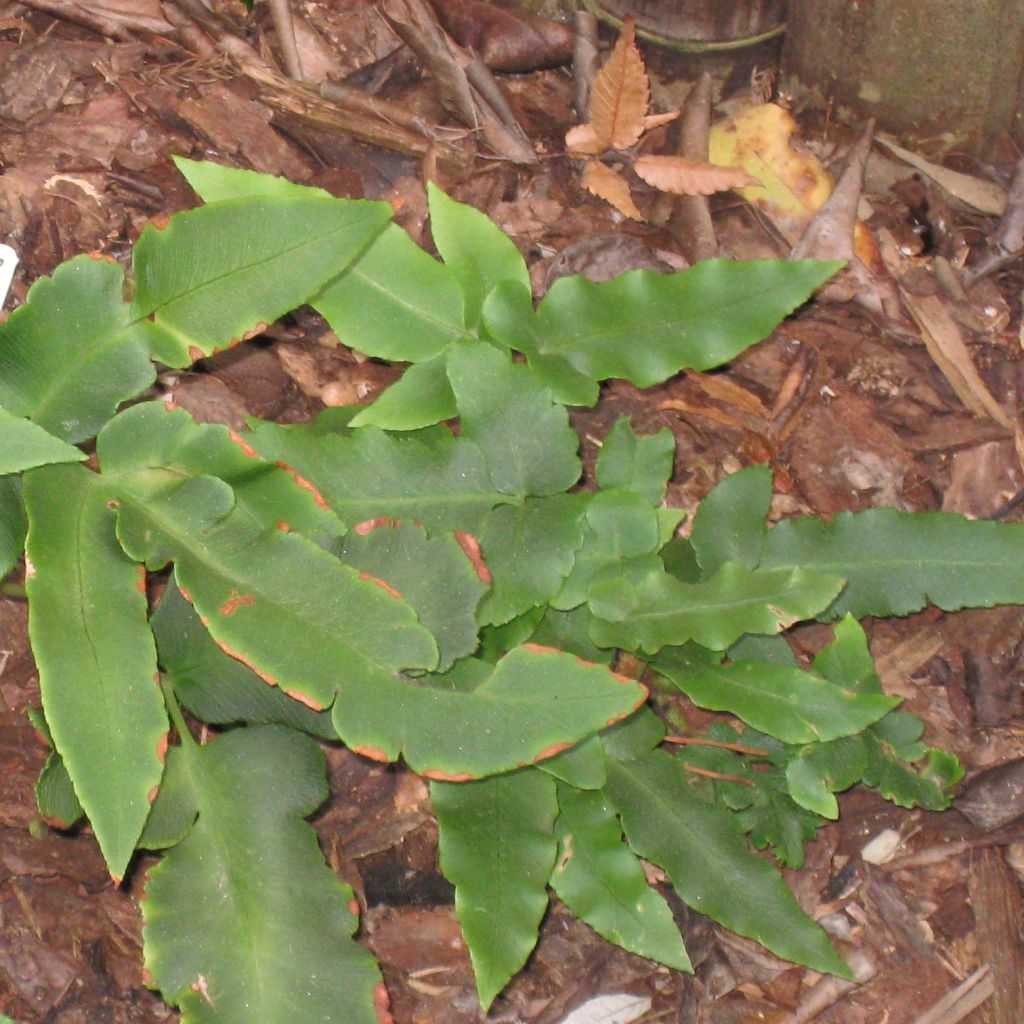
(961, 1001)
(994, 798)
(1008, 241)
(690, 222)
(585, 60)
(415, 23)
(945, 343)
(117, 24)
(281, 13)
(998, 912)
(832, 234)
(339, 109)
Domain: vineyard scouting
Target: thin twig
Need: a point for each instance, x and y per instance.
(284, 28)
(1008, 241)
(585, 61)
(700, 741)
(689, 222)
(113, 28)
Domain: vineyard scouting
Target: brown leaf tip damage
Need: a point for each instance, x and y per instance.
(367, 526)
(471, 546)
(268, 679)
(318, 498)
(234, 602)
(370, 578)
(247, 449)
(542, 649)
(442, 776)
(303, 699)
(553, 750)
(382, 1004)
(373, 753)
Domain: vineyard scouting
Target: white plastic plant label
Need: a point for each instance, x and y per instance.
(8, 263)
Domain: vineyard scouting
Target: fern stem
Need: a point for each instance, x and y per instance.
(699, 741)
(174, 710)
(722, 776)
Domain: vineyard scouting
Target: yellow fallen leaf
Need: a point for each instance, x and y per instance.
(765, 141)
(606, 184)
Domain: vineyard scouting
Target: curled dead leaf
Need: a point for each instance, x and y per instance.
(608, 185)
(685, 177)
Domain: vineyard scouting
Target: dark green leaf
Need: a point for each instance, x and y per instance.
(659, 610)
(636, 735)
(215, 687)
(529, 550)
(602, 881)
(731, 521)
(646, 326)
(570, 631)
(71, 354)
(641, 465)
(498, 640)
(214, 274)
(26, 445)
(534, 703)
(581, 766)
(55, 794)
(434, 575)
(793, 705)
(244, 923)
(498, 847)
(524, 435)
(429, 475)
(12, 523)
(176, 805)
(701, 848)
(395, 301)
(95, 654)
(480, 254)
(896, 562)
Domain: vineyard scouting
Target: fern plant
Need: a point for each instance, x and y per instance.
(448, 598)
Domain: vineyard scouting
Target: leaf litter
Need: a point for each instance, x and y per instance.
(857, 399)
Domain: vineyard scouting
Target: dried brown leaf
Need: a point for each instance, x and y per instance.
(685, 177)
(583, 139)
(621, 94)
(657, 120)
(608, 185)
